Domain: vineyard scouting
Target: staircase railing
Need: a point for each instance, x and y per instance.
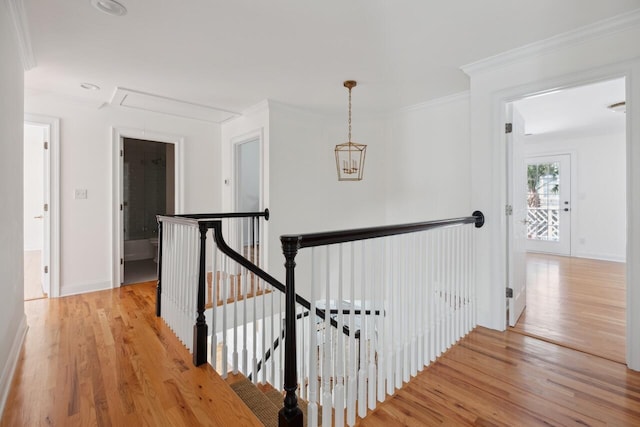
(387, 301)
(419, 277)
(185, 275)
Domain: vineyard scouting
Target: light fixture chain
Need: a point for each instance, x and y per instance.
(349, 114)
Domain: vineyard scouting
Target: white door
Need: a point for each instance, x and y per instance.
(36, 210)
(516, 216)
(549, 204)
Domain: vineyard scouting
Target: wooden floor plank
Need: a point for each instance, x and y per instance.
(506, 379)
(576, 302)
(104, 359)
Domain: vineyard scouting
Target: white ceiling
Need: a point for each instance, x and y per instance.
(233, 54)
(574, 112)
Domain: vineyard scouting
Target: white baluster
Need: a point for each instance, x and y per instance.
(214, 306)
(362, 373)
(352, 378)
(338, 389)
(326, 367)
(406, 304)
(374, 265)
(390, 315)
(413, 312)
(381, 320)
(225, 296)
(312, 409)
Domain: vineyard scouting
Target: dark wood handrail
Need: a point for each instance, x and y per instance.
(264, 214)
(342, 236)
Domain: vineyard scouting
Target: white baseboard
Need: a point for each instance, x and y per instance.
(602, 257)
(66, 291)
(9, 368)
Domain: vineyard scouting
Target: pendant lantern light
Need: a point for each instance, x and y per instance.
(350, 155)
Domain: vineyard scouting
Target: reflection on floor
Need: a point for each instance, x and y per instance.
(576, 302)
(138, 271)
(33, 275)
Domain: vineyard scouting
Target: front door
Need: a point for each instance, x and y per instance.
(549, 204)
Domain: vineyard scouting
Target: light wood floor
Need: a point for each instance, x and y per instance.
(495, 378)
(576, 302)
(104, 359)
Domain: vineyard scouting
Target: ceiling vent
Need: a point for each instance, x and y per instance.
(174, 107)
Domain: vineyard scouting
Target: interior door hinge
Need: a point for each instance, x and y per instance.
(46, 145)
(121, 208)
(46, 207)
(121, 261)
(509, 292)
(508, 210)
(121, 153)
(508, 127)
(46, 269)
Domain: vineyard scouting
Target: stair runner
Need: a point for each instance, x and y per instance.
(264, 402)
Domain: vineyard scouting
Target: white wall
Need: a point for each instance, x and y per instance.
(12, 318)
(610, 54)
(429, 164)
(306, 195)
(86, 163)
(33, 187)
(598, 206)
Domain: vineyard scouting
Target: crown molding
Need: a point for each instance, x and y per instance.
(598, 29)
(21, 26)
(256, 108)
(437, 102)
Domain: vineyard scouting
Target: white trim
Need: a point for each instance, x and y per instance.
(117, 134)
(256, 134)
(460, 96)
(9, 368)
(580, 35)
(53, 125)
(85, 288)
(256, 108)
(627, 70)
(21, 25)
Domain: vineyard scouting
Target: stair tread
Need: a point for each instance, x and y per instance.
(264, 400)
(257, 401)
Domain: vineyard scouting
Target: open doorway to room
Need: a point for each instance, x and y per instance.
(148, 180)
(36, 282)
(41, 207)
(571, 168)
(247, 193)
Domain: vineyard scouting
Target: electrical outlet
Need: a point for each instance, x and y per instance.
(81, 193)
(582, 240)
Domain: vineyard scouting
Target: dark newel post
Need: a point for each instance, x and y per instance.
(290, 415)
(159, 284)
(200, 328)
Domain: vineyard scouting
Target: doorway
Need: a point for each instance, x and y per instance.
(574, 170)
(247, 193)
(148, 191)
(41, 207)
(164, 154)
(36, 281)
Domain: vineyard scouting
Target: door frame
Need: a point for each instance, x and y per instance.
(499, 99)
(257, 134)
(117, 136)
(51, 221)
